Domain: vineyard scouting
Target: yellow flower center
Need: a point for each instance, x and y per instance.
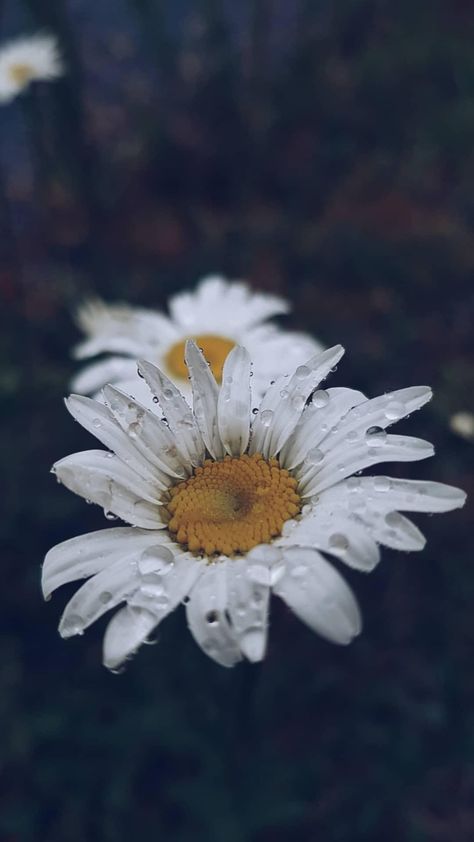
(214, 348)
(21, 73)
(232, 505)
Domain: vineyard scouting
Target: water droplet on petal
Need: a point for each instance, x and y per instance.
(97, 422)
(259, 573)
(105, 597)
(255, 411)
(298, 402)
(155, 399)
(156, 559)
(394, 410)
(338, 542)
(212, 618)
(315, 456)
(302, 372)
(353, 483)
(393, 519)
(109, 515)
(320, 398)
(266, 417)
(284, 393)
(382, 483)
(74, 625)
(352, 435)
(299, 571)
(375, 436)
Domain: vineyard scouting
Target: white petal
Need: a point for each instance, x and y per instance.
(233, 406)
(118, 328)
(319, 596)
(394, 530)
(343, 461)
(176, 411)
(248, 603)
(231, 307)
(152, 437)
(205, 397)
(388, 493)
(317, 419)
(98, 595)
(337, 533)
(162, 588)
(99, 420)
(88, 475)
(206, 614)
(125, 633)
(292, 400)
(95, 376)
(87, 554)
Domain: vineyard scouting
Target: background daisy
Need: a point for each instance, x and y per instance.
(28, 59)
(218, 315)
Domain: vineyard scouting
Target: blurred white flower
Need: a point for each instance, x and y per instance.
(462, 423)
(226, 506)
(218, 315)
(25, 60)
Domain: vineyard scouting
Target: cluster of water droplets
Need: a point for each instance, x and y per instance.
(153, 566)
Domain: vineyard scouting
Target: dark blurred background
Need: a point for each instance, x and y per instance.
(324, 151)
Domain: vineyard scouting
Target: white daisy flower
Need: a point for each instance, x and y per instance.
(25, 60)
(227, 506)
(218, 315)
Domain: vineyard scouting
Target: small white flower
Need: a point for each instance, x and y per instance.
(462, 423)
(226, 506)
(218, 315)
(25, 60)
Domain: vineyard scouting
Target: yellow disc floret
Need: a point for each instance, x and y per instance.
(21, 73)
(214, 348)
(231, 506)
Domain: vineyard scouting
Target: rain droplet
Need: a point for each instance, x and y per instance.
(298, 402)
(109, 455)
(352, 435)
(284, 393)
(212, 618)
(381, 483)
(167, 393)
(155, 399)
(105, 597)
(156, 559)
(299, 571)
(320, 398)
(302, 372)
(315, 456)
(255, 411)
(394, 410)
(74, 625)
(338, 542)
(109, 515)
(259, 573)
(353, 483)
(97, 422)
(266, 417)
(375, 436)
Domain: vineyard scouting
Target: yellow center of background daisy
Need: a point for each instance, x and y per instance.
(214, 348)
(233, 505)
(21, 73)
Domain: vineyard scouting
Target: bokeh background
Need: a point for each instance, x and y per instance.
(323, 150)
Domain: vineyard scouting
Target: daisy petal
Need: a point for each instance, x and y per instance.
(89, 475)
(233, 406)
(248, 603)
(388, 493)
(118, 328)
(335, 533)
(81, 557)
(394, 530)
(326, 409)
(206, 615)
(292, 400)
(177, 412)
(319, 596)
(125, 633)
(99, 420)
(205, 397)
(343, 461)
(93, 377)
(164, 584)
(152, 437)
(98, 595)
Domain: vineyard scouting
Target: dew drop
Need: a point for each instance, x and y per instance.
(212, 618)
(255, 411)
(109, 515)
(74, 625)
(266, 417)
(284, 393)
(375, 436)
(298, 402)
(109, 455)
(105, 597)
(320, 398)
(155, 399)
(338, 542)
(394, 410)
(315, 456)
(299, 571)
(156, 559)
(167, 393)
(352, 435)
(97, 422)
(393, 519)
(381, 483)
(302, 372)
(353, 484)
(259, 573)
